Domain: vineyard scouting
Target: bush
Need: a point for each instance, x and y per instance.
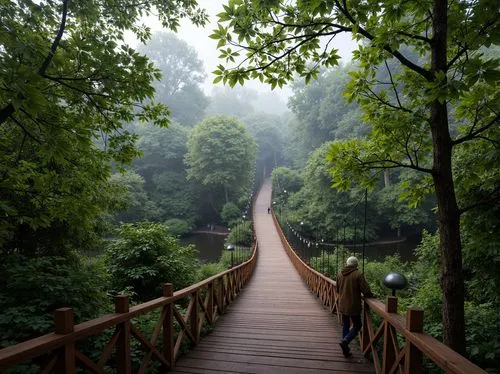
(239, 255)
(32, 288)
(208, 270)
(177, 227)
(241, 234)
(144, 255)
(230, 213)
(375, 273)
(483, 345)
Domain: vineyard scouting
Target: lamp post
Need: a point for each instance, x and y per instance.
(322, 256)
(230, 248)
(395, 281)
(283, 202)
(302, 238)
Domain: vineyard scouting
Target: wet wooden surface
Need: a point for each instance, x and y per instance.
(275, 325)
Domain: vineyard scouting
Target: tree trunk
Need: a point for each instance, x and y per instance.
(226, 194)
(387, 178)
(452, 282)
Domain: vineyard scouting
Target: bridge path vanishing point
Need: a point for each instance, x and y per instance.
(276, 325)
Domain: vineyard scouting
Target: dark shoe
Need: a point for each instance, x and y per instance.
(345, 349)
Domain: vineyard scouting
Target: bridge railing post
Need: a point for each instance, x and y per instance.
(210, 305)
(123, 355)
(414, 357)
(64, 324)
(365, 336)
(168, 326)
(389, 352)
(193, 317)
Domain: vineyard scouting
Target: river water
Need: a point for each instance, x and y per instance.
(210, 247)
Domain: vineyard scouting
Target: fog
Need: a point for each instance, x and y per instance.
(206, 48)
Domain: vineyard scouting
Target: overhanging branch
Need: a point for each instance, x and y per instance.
(9, 109)
(56, 41)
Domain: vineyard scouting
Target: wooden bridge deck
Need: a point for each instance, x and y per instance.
(276, 325)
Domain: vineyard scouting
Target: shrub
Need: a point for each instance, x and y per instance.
(32, 288)
(208, 270)
(239, 255)
(241, 234)
(144, 255)
(177, 227)
(230, 213)
(483, 345)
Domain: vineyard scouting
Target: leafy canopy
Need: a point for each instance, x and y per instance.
(144, 255)
(67, 84)
(221, 154)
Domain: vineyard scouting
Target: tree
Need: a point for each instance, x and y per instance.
(221, 156)
(323, 112)
(266, 131)
(67, 84)
(449, 82)
(182, 73)
(162, 167)
(286, 179)
(144, 255)
(135, 200)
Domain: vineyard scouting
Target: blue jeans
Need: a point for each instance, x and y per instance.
(347, 334)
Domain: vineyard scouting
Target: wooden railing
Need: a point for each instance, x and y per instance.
(56, 352)
(391, 356)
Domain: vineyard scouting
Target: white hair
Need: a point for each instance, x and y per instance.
(352, 261)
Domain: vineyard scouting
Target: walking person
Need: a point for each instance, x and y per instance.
(351, 284)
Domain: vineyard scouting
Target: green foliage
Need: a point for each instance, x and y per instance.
(269, 136)
(287, 179)
(63, 100)
(241, 234)
(330, 262)
(230, 213)
(134, 200)
(438, 91)
(181, 74)
(483, 343)
(208, 270)
(240, 254)
(323, 113)
(162, 167)
(177, 227)
(375, 272)
(398, 211)
(32, 288)
(221, 156)
(144, 256)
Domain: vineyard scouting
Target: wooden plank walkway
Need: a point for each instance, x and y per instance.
(276, 325)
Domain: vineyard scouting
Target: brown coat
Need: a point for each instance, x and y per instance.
(351, 283)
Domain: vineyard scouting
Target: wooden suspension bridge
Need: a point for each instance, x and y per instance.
(283, 321)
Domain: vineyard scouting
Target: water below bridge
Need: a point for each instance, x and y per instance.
(210, 247)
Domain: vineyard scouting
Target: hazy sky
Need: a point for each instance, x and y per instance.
(198, 38)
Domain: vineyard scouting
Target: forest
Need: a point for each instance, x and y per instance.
(113, 151)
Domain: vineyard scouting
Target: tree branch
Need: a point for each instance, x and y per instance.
(466, 47)
(473, 134)
(413, 36)
(394, 88)
(479, 203)
(416, 68)
(56, 41)
(8, 110)
(379, 164)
